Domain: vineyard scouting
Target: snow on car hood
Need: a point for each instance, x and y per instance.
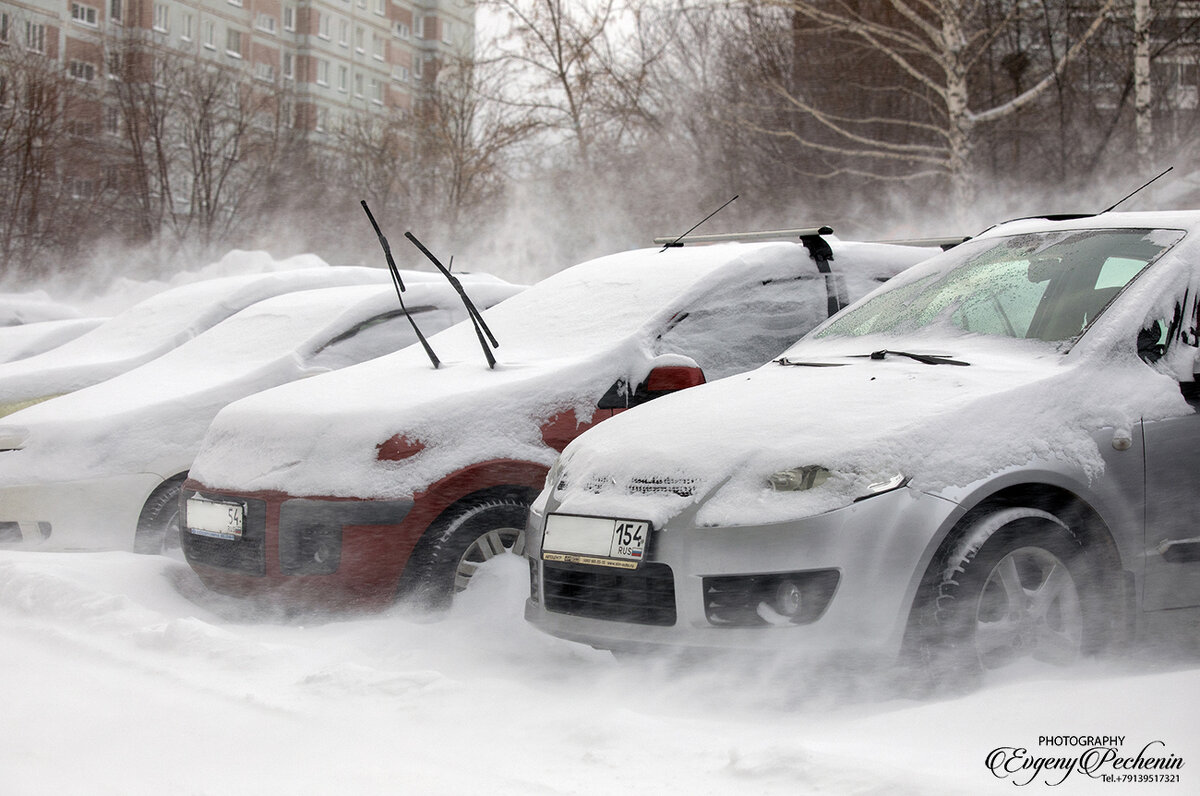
(152, 418)
(27, 339)
(866, 420)
(563, 343)
(156, 325)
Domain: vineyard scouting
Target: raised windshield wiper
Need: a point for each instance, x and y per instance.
(476, 319)
(795, 363)
(928, 359)
(398, 283)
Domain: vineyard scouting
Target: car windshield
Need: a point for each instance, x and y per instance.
(1040, 286)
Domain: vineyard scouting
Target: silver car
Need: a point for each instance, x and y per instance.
(992, 457)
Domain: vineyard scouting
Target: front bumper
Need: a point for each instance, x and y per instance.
(88, 514)
(308, 552)
(877, 548)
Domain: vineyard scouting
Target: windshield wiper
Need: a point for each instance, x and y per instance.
(477, 321)
(928, 359)
(398, 283)
(795, 363)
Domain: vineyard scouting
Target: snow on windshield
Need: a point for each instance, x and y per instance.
(1047, 286)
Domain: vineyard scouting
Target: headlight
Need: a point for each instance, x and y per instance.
(798, 479)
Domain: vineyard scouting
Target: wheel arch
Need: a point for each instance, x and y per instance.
(1115, 580)
(151, 506)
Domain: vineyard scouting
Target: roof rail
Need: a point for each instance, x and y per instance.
(772, 234)
(945, 244)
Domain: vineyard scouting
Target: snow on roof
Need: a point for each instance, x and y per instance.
(563, 343)
(156, 325)
(27, 339)
(154, 416)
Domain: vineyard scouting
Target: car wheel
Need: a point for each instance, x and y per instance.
(1014, 589)
(468, 535)
(158, 525)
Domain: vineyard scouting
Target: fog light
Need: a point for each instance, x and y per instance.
(788, 599)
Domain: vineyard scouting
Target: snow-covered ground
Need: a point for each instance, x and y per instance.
(119, 674)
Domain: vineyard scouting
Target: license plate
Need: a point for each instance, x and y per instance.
(214, 518)
(599, 541)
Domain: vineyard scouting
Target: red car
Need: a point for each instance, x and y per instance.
(396, 477)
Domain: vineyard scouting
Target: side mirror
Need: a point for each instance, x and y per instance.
(660, 381)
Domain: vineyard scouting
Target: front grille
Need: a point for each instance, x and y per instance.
(683, 487)
(645, 596)
(247, 554)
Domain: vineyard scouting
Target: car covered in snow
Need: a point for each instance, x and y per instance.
(991, 458)
(32, 307)
(398, 477)
(101, 467)
(26, 339)
(154, 326)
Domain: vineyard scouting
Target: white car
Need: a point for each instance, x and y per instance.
(101, 467)
(21, 308)
(991, 458)
(154, 326)
(419, 474)
(26, 339)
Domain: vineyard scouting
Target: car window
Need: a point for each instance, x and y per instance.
(1046, 286)
(375, 337)
(735, 331)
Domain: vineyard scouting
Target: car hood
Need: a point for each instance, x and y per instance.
(865, 420)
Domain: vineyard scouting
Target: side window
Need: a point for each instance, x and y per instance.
(747, 326)
(377, 336)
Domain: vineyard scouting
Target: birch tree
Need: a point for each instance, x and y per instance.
(936, 46)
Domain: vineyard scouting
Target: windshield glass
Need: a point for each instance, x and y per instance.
(1039, 286)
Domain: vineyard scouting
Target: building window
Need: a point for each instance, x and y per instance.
(35, 36)
(233, 42)
(400, 73)
(401, 30)
(116, 10)
(187, 26)
(418, 66)
(4, 27)
(265, 22)
(264, 72)
(358, 84)
(322, 119)
(376, 91)
(289, 18)
(85, 14)
(111, 176)
(419, 27)
(112, 120)
(344, 33)
(289, 66)
(322, 72)
(162, 17)
(323, 25)
(210, 34)
(376, 47)
(343, 73)
(359, 39)
(115, 66)
(381, 7)
(446, 37)
(82, 70)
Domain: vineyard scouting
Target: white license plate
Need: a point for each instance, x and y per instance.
(600, 541)
(216, 519)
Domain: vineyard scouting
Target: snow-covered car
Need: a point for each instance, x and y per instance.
(101, 467)
(32, 307)
(26, 339)
(394, 476)
(991, 457)
(154, 326)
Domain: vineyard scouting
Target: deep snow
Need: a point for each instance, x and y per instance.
(122, 675)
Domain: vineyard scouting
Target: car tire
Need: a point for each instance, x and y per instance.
(466, 536)
(158, 524)
(1016, 587)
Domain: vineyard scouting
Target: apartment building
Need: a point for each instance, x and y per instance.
(331, 57)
